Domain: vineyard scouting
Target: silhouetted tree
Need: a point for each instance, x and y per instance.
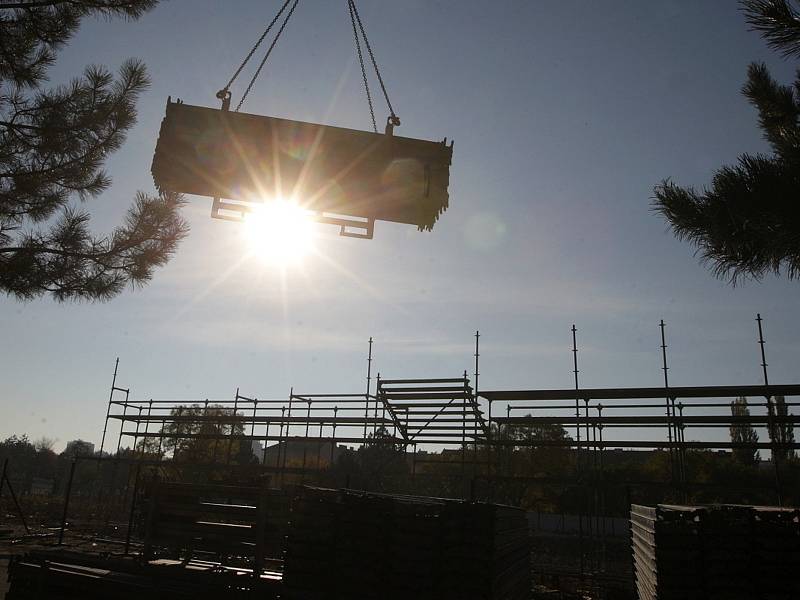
(53, 143)
(381, 455)
(781, 433)
(748, 222)
(204, 434)
(27, 460)
(743, 434)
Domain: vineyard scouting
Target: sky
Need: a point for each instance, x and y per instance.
(565, 114)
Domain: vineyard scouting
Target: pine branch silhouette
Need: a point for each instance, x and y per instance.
(53, 145)
(747, 223)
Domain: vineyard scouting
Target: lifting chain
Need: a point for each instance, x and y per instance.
(355, 18)
(224, 94)
(359, 33)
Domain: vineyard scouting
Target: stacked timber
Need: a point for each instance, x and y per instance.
(346, 544)
(721, 551)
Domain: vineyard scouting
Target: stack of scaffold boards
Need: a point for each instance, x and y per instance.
(64, 575)
(347, 544)
(222, 520)
(720, 551)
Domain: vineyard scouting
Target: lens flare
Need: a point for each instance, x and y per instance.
(279, 232)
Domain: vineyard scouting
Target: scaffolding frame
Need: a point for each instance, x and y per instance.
(449, 414)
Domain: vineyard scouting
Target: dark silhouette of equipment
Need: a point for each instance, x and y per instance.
(349, 178)
(344, 177)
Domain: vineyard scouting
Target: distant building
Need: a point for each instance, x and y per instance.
(79, 448)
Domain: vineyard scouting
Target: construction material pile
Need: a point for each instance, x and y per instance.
(347, 544)
(720, 551)
(64, 575)
(226, 520)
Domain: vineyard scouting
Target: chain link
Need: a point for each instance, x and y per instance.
(266, 56)
(351, 6)
(358, 27)
(354, 9)
(255, 47)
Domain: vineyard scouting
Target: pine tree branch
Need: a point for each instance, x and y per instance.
(66, 137)
(778, 111)
(746, 225)
(70, 264)
(132, 8)
(53, 144)
(777, 21)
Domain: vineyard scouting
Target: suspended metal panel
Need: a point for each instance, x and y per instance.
(331, 170)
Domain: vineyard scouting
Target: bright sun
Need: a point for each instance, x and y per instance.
(279, 232)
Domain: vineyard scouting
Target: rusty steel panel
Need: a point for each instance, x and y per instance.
(209, 152)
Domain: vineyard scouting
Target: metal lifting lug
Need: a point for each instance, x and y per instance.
(225, 96)
(392, 121)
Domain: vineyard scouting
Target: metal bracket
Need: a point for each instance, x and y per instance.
(353, 227)
(224, 95)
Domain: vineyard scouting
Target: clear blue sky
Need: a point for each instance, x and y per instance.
(564, 115)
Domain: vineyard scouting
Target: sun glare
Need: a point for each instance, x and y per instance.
(279, 232)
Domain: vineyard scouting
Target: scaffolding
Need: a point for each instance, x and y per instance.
(450, 421)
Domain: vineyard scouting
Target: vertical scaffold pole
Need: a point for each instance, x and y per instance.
(770, 411)
(122, 423)
(288, 432)
(280, 439)
(577, 389)
(465, 399)
(266, 443)
(333, 434)
(375, 416)
(575, 372)
(601, 489)
(305, 441)
(369, 389)
(108, 410)
(136, 435)
(147, 428)
(475, 470)
(477, 357)
(675, 458)
(67, 494)
(233, 427)
(665, 368)
(5, 479)
(589, 456)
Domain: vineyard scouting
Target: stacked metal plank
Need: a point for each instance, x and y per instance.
(777, 552)
(239, 521)
(345, 544)
(242, 157)
(63, 575)
(721, 551)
